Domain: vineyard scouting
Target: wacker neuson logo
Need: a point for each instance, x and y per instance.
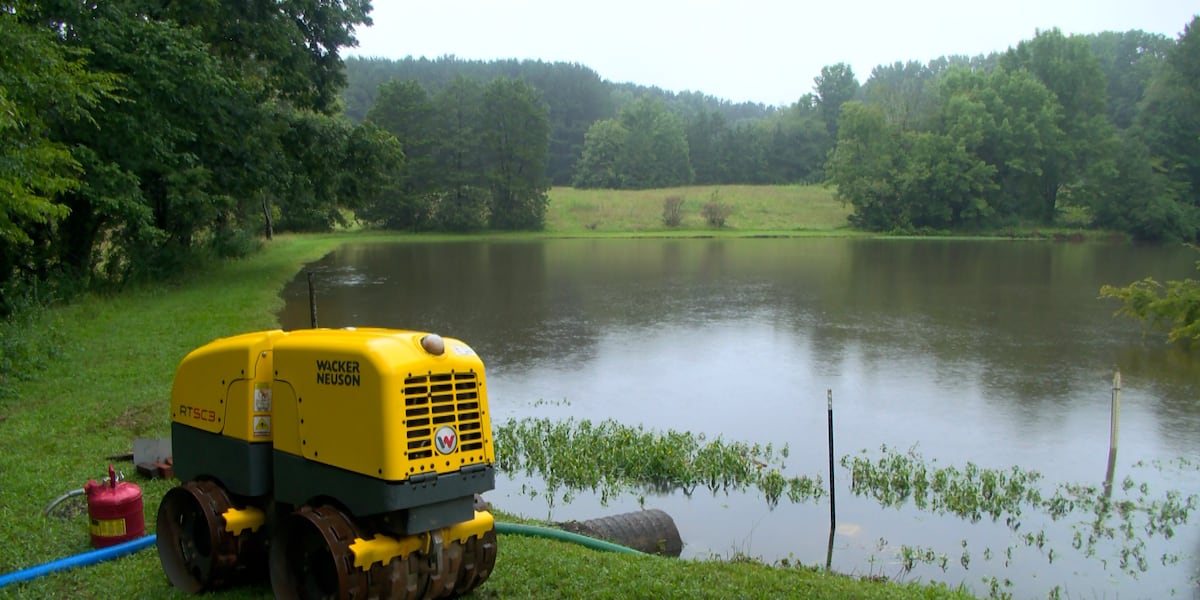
(338, 372)
(445, 440)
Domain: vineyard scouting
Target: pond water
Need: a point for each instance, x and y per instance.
(991, 352)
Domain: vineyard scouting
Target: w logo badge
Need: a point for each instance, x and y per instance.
(445, 439)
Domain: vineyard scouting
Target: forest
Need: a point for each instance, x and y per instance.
(139, 137)
(1098, 130)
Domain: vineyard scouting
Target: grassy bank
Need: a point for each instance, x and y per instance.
(110, 384)
(793, 209)
(770, 210)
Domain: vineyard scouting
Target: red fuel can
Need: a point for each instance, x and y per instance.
(115, 512)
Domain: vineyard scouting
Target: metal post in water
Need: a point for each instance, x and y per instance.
(1116, 411)
(1114, 427)
(829, 551)
(832, 501)
(312, 301)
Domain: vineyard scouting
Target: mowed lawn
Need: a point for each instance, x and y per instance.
(778, 208)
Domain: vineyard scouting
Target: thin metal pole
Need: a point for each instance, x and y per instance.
(832, 499)
(1114, 429)
(312, 301)
(829, 551)
(1116, 411)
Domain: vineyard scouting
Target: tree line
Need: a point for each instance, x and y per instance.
(725, 142)
(475, 156)
(1097, 129)
(1106, 126)
(137, 137)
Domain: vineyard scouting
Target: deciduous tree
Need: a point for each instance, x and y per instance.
(656, 152)
(1170, 121)
(1067, 67)
(644, 147)
(462, 200)
(286, 49)
(864, 168)
(1129, 60)
(906, 93)
(1173, 306)
(515, 137)
(835, 86)
(603, 152)
(403, 108)
(43, 84)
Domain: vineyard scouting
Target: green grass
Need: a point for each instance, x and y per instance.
(533, 568)
(110, 383)
(782, 209)
(760, 210)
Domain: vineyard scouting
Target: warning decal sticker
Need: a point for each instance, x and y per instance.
(262, 398)
(262, 426)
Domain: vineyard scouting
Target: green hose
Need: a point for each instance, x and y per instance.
(562, 536)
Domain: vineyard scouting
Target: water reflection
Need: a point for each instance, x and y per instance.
(998, 353)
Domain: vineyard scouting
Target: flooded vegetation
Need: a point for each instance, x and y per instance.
(1117, 523)
(609, 458)
(971, 388)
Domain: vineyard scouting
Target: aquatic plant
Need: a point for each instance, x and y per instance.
(1118, 517)
(1111, 523)
(610, 458)
(970, 492)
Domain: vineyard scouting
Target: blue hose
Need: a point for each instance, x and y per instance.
(79, 560)
(119, 550)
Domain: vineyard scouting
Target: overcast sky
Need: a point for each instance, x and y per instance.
(765, 51)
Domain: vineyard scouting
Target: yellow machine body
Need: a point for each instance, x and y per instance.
(371, 443)
(375, 402)
(224, 387)
(370, 401)
(268, 411)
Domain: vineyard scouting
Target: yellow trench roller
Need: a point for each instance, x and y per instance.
(354, 455)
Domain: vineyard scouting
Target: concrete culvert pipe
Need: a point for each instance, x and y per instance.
(650, 531)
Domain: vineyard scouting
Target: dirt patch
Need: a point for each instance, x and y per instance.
(68, 508)
(139, 420)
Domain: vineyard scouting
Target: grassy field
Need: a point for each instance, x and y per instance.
(774, 210)
(110, 381)
(793, 209)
